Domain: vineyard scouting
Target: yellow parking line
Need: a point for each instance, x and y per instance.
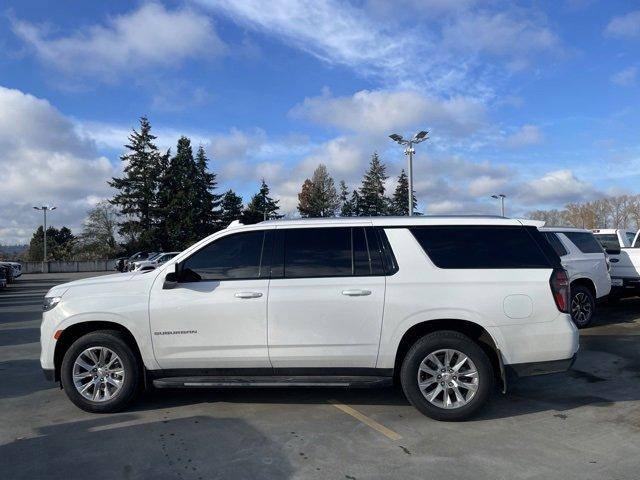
(366, 420)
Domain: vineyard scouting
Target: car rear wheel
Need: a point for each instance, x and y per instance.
(100, 373)
(447, 376)
(583, 306)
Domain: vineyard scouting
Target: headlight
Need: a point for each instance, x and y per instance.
(50, 302)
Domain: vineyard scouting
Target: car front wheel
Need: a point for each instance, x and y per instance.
(447, 376)
(100, 373)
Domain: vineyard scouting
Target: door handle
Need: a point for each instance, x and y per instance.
(356, 293)
(614, 260)
(248, 294)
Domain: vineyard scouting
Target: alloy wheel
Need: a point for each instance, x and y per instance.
(581, 310)
(448, 378)
(98, 374)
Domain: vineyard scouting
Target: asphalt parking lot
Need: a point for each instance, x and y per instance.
(584, 424)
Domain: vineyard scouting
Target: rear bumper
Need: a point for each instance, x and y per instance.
(519, 370)
(630, 287)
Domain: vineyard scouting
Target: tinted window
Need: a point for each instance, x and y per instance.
(482, 247)
(317, 252)
(630, 238)
(232, 257)
(608, 240)
(585, 241)
(555, 243)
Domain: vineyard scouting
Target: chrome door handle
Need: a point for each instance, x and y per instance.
(248, 294)
(356, 293)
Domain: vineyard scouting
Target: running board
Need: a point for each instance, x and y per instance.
(272, 381)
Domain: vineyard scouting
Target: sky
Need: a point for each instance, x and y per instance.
(537, 100)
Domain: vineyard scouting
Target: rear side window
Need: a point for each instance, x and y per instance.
(585, 241)
(608, 240)
(463, 246)
(327, 252)
(555, 243)
(234, 257)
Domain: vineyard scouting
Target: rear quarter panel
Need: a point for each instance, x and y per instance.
(420, 292)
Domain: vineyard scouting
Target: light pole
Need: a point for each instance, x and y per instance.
(44, 209)
(500, 196)
(421, 136)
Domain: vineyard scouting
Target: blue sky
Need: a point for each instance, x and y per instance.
(537, 100)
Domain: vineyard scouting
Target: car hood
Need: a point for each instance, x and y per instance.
(58, 290)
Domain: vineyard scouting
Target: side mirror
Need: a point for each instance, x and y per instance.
(171, 278)
(613, 251)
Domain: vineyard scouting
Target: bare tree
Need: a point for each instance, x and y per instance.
(98, 238)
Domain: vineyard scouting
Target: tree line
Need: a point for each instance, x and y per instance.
(621, 211)
(166, 202)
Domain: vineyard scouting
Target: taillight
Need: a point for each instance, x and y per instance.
(560, 289)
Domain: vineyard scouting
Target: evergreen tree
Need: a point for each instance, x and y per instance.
(261, 207)
(59, 244)
(137, 196)
(180, 198)
(207, 203)
(318, 197)
(305, 200)
(231, 208)
(372, 199)
(346, 205)
(355, 204)
(400, 200)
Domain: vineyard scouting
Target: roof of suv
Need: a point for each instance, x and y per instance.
(403, 221)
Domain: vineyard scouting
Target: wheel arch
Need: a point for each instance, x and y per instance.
(587, 283)
(77, 330)
(473, 330)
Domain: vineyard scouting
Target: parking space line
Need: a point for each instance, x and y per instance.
(366, 420)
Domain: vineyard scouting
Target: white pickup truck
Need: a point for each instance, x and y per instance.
(624, 255)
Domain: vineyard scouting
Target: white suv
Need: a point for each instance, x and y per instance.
(585, 261)
(445, 305)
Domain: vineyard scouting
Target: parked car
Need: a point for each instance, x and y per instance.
(585, 261)
(136, 257)
(3, 277)
(10, 271)
(16, 269)
(624, 256)
(153, 262)
(120, 264)
(445, 305)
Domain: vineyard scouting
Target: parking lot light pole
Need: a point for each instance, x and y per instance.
(44, 209)
(421, 136)
(500, 196)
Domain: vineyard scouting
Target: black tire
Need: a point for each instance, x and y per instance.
(116, 342)
(446, 340)
(586, 306)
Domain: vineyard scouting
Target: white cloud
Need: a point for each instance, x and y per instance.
(556, 187)
(381, 112)
(524, 136)
(333, 31)
(624, 25)
(626, 77)
(147, 37)
(44, 161)
(401, 43)
(500, 34)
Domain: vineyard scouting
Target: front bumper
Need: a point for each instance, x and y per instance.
(519, 370)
